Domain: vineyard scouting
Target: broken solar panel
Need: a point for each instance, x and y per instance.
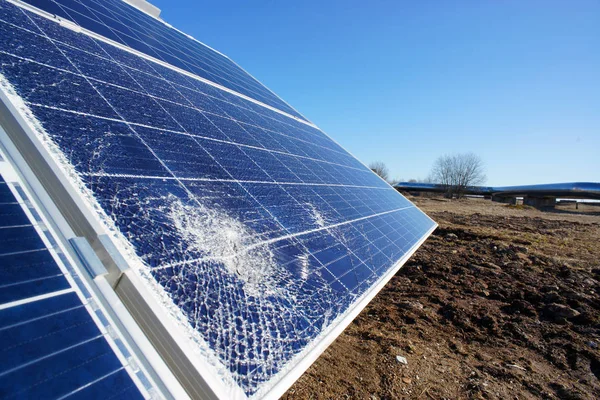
(50, 346)
(263, 233)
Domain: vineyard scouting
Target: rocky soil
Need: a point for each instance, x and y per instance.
(500, 303)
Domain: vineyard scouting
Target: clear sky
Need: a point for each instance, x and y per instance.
(403, 82)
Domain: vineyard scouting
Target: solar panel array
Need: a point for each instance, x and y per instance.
(262, 231)
(50, 347)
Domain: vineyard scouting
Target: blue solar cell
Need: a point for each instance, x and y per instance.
(11, 214)
(87, 63)
(51, 347)
(41, 50)
(130, 61)
(36, 287)
(19, 239)
(182, 155)
(25, 275)
(258, 227)
(6, 195)
(194, 121)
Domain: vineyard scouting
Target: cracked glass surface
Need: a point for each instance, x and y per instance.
(259, 229)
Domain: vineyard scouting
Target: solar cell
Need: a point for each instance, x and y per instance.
(258, 234)
(50, 346)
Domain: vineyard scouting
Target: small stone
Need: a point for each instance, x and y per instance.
(410, 305)
(401, 360)
(521, 249)
(515, 366)
(408, 381)
(523, 258)
(551, 297)
(590, 282)
(491, 265)
(559, 311)
(550, 288)
(569, 294)
(451, 236)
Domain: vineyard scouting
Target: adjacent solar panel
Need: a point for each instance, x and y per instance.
(50, 347)
(259, 235)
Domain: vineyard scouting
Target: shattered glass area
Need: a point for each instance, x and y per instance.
(261, 230)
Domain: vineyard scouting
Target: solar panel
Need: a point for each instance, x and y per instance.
(258, 236)
(50, 346)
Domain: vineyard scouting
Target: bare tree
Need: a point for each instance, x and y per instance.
(420, 180)
(380, 169)
(394, 181)
(458, 171)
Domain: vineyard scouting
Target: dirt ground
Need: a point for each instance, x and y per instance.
(501, 302)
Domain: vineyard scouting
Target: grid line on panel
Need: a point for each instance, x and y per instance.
(22, 252)
(13, 226)
(30, 280)
(42, 317)
(88, 361)
(94, 382)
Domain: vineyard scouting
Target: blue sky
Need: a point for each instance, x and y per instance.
(516, 82)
